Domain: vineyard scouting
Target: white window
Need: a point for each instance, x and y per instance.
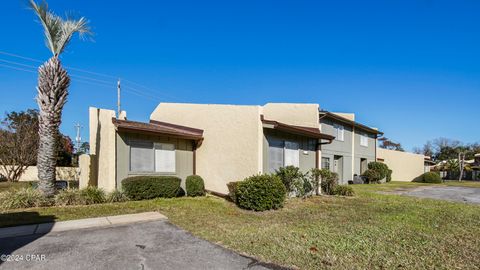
(164, 158)
(339, 132)
(150, 157)
(141, 157)
(364, 140)
(292, 155)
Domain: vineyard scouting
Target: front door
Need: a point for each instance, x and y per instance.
(338, 166)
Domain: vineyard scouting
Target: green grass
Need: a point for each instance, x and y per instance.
(368, 231)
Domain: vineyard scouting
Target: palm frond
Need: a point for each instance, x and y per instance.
(58, 31)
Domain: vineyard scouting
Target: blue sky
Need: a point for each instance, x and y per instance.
(410, 68)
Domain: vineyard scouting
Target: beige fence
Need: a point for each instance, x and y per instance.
(63, 173)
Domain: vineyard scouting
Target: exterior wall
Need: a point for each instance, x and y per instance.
(360, 151)
(183, 156)
(307, 149)
(102, 147)
(293, 114)
(405, 166)
(338, 148)
(233, 142)
(62, 173)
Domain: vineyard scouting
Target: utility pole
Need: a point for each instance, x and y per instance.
(118, 98)
(78, 138)
(461, 163)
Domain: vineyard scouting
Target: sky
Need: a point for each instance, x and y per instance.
(409, 68)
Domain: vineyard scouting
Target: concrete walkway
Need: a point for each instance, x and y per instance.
(79, 224)
(145, 245)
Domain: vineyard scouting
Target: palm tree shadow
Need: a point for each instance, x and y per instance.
(9, 245)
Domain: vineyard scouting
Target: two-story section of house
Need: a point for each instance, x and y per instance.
(354, 146)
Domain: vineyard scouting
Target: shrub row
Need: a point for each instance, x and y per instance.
(29, 197)
(149, 187)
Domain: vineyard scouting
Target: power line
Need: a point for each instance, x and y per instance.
(103, 84)
(152, 91)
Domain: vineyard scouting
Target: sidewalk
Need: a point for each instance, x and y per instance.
(79, 224)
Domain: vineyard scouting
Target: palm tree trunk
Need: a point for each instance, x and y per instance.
(53, 83)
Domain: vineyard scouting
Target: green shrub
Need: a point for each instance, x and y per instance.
(389, 175)
(372, 176)
(329, 181)
(149, 187)
(343, 190)
(381, 169)
(260, 193)
(431, 177)
(116, 196)
(295, 182)
(93, 195)
(23, 198)
(71, 196)
(195, 186)
(232, 189)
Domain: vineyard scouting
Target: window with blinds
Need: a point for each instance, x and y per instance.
(283, 153)
(152, 157)
(364, 140)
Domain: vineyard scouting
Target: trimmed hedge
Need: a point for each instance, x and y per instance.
(149, 187)
(195, 186)
(431, 177)
(372, 176)
(380, 167)
(260, 193)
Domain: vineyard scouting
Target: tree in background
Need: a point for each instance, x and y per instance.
(18, 143)
(389, 144)
(53, 83)
(445, 149)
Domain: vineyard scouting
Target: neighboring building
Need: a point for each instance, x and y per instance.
(222, 143)
(354, 146)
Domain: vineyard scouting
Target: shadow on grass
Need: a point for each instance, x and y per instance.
(8, 245)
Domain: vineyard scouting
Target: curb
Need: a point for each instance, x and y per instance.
(77, 224)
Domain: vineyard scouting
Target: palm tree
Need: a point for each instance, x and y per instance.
(53, 83)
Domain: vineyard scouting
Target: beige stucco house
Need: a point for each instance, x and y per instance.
(222, 143)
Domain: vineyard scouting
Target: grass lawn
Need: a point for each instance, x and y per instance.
(5, 186)
(370, 230)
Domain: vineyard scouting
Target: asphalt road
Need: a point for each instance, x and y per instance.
(150, 245)
(456, 194)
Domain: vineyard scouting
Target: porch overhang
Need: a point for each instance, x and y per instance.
(159, 128)
(298, 130)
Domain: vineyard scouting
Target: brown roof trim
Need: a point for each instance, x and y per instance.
(348, 121)
(305, 131)
(159, 128)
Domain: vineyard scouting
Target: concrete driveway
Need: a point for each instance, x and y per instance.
(149, 245)
(456, 194)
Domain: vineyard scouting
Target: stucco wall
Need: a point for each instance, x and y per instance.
(405, 166)
(183, 155)
(102, 147)
(62, 173)
(233, 141)
(293, 114)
